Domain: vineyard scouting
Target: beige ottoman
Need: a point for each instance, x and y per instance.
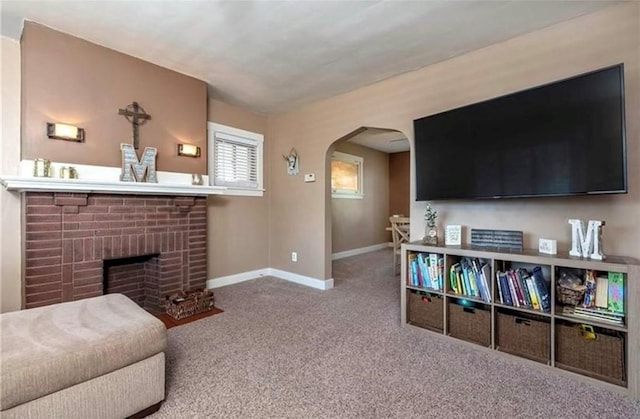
(100, 357)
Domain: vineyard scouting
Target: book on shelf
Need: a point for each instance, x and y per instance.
(425, 271)
(542, 288)
(453, 280)
(483, 291)
(589, 299)
(499, 283)
(533, 294)
(433, 269)
(483, 275)
(459, 279)
(515, 298)
(507, 292)
(513, 276)
(476, 272)
(594, 314)
(602, 290)
(468, 277)
(615, 292)
(422, 266)
(520, 276)
(485, 271)
(471, 278)
(523, 289)
(413, 263)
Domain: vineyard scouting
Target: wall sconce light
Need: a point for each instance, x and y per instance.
(65, 132)
(188, 150)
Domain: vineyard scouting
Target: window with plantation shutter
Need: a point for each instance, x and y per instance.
(236, 161)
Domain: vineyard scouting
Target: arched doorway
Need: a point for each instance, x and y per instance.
(367, 181)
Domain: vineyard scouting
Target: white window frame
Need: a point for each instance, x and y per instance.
(359, 162)
(215, 131)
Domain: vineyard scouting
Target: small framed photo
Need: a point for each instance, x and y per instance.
(453, 235)
(547, 246)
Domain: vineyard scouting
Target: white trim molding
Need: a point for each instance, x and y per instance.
(259, 273)
(302, 280)
(359, 251)
(104, 179)
(236, 278)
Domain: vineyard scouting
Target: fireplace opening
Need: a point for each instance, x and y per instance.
(137, 277)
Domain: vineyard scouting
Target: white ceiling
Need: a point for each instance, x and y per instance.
(272, 56)
(386, 140)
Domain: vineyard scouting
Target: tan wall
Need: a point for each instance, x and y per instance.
(10, 231)
(67, 79)
(238, 227)
(360, 223)
(570, 48)
(399, 182)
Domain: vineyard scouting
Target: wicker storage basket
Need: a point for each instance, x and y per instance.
(471, 324)
(181, 304)
(602, 358)
(425, 310)
(527, 337)
(569, 296)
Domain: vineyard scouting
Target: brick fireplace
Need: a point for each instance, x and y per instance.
(76, 241)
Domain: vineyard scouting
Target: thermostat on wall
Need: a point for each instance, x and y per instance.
(309, 177)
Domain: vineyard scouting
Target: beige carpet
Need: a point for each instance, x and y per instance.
(282, 350)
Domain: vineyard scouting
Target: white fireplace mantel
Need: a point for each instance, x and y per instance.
(101, 179)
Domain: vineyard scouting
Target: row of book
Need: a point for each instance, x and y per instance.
(426, 270)
(471, 277)
(521, 288)
(604, 291)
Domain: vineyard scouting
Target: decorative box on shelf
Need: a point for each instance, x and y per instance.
(185, 304)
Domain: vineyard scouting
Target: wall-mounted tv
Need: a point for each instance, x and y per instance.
(562, 138)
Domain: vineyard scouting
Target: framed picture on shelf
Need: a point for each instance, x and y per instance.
(453, 235)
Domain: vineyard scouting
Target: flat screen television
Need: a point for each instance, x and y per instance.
(562, 138)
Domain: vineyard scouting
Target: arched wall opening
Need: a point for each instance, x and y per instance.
(355, 222)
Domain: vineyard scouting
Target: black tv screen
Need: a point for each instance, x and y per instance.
(562, 138)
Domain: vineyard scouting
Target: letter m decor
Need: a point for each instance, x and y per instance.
(134, 170)
(586, 244)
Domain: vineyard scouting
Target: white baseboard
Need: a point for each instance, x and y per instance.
(288, 276)
(359, 251)
(236, 278)
(301, 279)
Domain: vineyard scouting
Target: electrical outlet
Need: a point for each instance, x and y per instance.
(294, 256)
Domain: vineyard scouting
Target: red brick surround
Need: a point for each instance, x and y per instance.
(68, 235)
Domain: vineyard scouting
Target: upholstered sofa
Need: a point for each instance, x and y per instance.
(100, 357)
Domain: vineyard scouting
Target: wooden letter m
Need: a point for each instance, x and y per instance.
(134, 170)
(586, 244)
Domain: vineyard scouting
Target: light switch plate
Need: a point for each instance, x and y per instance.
(309, 177)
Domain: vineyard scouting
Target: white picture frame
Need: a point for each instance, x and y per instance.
(453, 235)
(548, 246)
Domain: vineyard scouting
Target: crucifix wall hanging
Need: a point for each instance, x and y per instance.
(137, 116)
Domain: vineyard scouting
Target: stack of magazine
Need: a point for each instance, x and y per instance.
(597, 314)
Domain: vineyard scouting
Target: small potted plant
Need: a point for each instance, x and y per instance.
(431, 233)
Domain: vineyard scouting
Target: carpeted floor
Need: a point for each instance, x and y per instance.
(282, 350)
